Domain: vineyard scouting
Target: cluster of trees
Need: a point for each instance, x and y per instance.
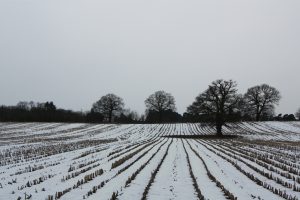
(38, 112)
(221, 103)
(47, 112)
(160, 108)
(285, 117)
(218, 104)
(111, 107)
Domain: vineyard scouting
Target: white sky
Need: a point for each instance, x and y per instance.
(74, 51)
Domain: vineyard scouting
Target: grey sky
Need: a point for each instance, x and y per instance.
(74, 51)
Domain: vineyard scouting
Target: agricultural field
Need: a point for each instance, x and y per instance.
(48, 161)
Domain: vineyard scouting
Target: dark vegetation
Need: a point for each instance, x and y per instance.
(218, 104)
(209, 137)
(38, 112)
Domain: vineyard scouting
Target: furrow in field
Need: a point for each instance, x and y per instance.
(232, 179)
(207, 187)
(262, 176)
(116, 182)
(136, 183)
(173, 180)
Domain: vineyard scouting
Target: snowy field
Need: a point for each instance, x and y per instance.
(47, 161)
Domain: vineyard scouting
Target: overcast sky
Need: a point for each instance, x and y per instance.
(74, 51)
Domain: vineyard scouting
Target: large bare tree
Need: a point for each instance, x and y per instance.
(261, 99)
(220, 98)
(160, 101)
(109, 105)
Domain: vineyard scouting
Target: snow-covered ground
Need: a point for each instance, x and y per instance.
(45, 161)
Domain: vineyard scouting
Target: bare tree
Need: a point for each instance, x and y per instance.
(160, 101)
(220, 98)
(109, 106)
(298, 114)
(261, 100)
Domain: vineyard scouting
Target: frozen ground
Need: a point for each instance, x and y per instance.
(45, 161)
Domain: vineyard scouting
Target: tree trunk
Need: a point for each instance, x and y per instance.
(110, 116)
(219, 129)
(257, 118)
(160, 116)
(219, 124)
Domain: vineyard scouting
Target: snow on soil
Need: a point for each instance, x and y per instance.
(47, 161)
(173, 180)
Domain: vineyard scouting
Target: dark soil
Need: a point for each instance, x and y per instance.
(203, 136)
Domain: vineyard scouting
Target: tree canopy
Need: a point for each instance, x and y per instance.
(261, 99)
(160, 102)
(109, 106)
(219, 99)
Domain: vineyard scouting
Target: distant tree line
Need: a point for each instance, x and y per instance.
(38, 112)
(218, 104)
